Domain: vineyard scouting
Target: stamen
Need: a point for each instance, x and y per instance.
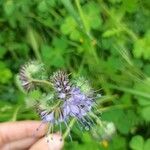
(69, 130)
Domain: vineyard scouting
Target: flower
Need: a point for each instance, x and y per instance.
(72, 102)
(66, 100)
(78, 104)
(27, 72)
(84, 86)
(61, 84)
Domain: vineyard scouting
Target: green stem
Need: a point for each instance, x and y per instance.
(69, 7)
(128, 90)
(87, 30)
(108, 98)
(37, 54)
(14, 118)
(42, 82)
(82, 16)
(72, 122)
(113, 107)
(55, 106)
(96, 118)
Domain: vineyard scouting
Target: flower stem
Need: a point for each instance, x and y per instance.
(72, 122)
(42, 82)
(14, 117)
(96, 118)
(114, 107)
(82, 16)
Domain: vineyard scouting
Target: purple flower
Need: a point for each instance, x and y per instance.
(67, 100)
(78, 104)
(70, 101)
(61, 84)
(54, 117)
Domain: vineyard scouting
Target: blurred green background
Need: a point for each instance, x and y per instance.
(108, 41)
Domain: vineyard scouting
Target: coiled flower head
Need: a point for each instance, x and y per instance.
(61, 84)
(84, 86)
(30, 71)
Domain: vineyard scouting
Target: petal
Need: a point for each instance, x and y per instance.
(66, 110)
(83, 112)
(62, 95)
(49, 117)
(75, 110)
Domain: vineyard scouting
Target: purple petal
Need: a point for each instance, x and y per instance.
(74, 110)
(49, 117)
(62, 95)
(66, 110)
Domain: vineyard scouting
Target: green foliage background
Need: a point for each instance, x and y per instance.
(108, 41)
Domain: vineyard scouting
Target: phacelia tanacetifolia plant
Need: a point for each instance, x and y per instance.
(63, 102)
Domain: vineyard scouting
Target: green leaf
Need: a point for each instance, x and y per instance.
(70, 8)
(130, 6)
(142, 47)
(75, 35)
(145, 112)
(143, 101)
(52, 3)
(137, 143)
(5, 73)
(123, 120)
(34, 40)
(147, 145)
(115, 1)
(147, 69)
(95, 22)
(60, 43)
(55, 55)
(69, 25)
(92, 15)
(42, 6)
(9, 7)
(111, 32)
(2, 51)
(118, 143)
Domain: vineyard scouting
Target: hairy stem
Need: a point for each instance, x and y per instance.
(82, 16)
(96, 118)
(72, 122)
(42, 82)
